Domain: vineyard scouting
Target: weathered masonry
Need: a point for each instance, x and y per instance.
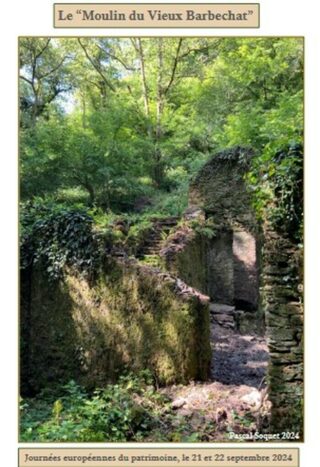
(282, 304)
(134, 316)
(223, 265)
(131, 318)
(248, 264)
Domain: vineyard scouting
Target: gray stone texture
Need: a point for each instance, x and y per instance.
(220, 271)
(219, 190)
(283, 308)
(245, 268)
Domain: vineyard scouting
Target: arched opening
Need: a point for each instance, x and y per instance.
(240, 352)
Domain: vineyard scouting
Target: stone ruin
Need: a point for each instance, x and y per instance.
(250, 265)
(79, 330)
(224, 265)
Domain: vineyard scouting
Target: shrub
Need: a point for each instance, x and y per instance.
(120, 412)
(58, 236)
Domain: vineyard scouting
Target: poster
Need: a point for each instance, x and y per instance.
(292, 23)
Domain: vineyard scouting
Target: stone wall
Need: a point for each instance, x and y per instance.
(133, 317)
(219, 190)
(224, 266)
(219, 264)
(184, 256)
(245, 266)
(282, 302)
(205, 263)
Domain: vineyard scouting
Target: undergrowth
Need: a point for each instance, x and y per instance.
(131, 410)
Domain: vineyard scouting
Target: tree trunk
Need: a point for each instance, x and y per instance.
(143, 78)
(91, 192)
(158, 165)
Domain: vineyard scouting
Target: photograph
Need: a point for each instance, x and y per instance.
(161, 239)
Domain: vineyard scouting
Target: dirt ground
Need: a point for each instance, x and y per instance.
(235, 400)
(238, 359)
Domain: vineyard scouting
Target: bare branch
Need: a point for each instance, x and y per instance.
(136, 107)
(115, 57)
(36, 56)
(50, 72)
(191, 51)
(134, 43)
(26, 80)
(110, 86)
(145, 90)
(174, 67)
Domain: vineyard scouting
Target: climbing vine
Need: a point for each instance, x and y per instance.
(287, 184)
(58, 237)
(276, 184)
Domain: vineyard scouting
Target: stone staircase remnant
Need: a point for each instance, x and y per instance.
(154, 242)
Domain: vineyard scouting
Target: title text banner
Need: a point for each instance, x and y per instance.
(156, 15)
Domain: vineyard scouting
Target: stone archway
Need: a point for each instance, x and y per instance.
(252, 268)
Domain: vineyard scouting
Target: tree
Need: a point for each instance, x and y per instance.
(116, 118)
(145, 72)
(44, 74)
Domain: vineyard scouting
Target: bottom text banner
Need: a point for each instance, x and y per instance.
(159, 457)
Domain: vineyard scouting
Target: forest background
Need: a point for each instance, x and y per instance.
(108, 123)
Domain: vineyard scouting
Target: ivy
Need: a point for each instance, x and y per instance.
(287, 183)
(276, 184)
(56, 237)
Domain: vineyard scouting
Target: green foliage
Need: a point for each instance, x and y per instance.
(133, 409)
(205, 227)
(120, 412)
(287, 185)
(108, 121)
(61, 154)
(46, 76)
(139, 229)
(153, 260)
(58, 236)
(246, 421)
(276, 184)
(43, 157)
(172, 203)
(255, 88)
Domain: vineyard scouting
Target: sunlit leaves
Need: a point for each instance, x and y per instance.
(114, 129)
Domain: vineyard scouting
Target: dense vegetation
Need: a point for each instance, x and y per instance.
(131, 410)
(107, 122)
(111, 132)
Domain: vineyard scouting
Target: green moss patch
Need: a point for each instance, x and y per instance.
(132, 317)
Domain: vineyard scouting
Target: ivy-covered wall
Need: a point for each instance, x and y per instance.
(219, 189)
(131, 317)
